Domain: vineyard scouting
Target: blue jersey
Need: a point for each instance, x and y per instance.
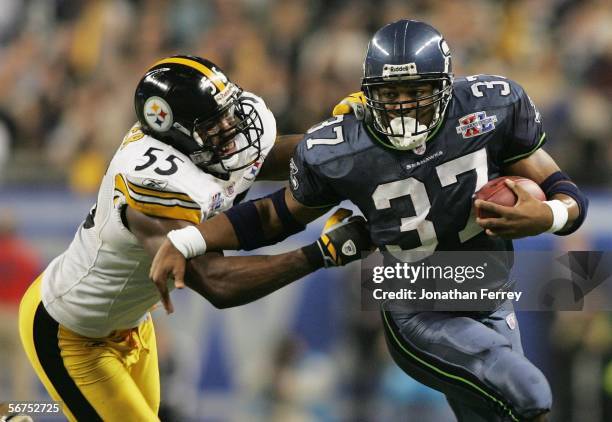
(421, 200)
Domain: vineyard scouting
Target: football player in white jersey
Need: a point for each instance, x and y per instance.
(199, 143)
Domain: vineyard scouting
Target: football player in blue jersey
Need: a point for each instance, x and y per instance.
(410, 158)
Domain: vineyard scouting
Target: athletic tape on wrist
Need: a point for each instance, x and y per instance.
(560, 215)
(188, 240)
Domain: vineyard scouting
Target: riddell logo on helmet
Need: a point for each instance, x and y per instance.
(399, 69)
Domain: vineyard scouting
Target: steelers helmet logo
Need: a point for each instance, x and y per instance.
(158, 114)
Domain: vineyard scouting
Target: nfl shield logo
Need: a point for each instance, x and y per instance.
(476, 124)
(511, 320)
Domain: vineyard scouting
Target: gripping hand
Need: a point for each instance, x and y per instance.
(341, 242)
(353, 103)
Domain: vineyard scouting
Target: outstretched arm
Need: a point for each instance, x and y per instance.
(236, 280)
(220, 233)
(246, 226)
(224, 281)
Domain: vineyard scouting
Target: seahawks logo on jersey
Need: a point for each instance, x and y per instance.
(293, 170)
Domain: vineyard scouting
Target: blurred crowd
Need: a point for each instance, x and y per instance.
(69, 67)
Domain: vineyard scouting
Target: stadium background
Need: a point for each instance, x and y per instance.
(68, 69)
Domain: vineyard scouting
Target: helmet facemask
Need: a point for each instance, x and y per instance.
(407, 123)
(230, 140)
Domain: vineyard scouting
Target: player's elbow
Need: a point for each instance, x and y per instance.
(220, 303)
(221, 298)
(211, 285)
(224, 293)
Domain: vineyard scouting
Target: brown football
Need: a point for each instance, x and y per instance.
(496, 191)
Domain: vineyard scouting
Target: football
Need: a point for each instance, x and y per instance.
(496, 191)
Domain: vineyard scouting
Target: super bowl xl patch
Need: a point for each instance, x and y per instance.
(476, 124)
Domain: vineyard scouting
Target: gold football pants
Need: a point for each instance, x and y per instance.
(115, 378)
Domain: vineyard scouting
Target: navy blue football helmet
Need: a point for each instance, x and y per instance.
(411, 57)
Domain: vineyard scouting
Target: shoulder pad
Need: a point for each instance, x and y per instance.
(487, 90)
(332, 139)
(134, 134)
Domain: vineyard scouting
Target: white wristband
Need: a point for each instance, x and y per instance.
(560, 215)
(188, 240)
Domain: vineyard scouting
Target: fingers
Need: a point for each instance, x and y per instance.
(155, 272)
(352, 103)
(509, 222)
(338, 216)
(341, 214)
(357, 218)
(341, 108)
(165, 297)
(492, 207)
(498, 227)
(168, 261)
(179, 274)
(178, 271)
(492, 223)
(518, 190)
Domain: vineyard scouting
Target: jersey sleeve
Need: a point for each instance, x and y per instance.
(156, 197)
(308, 186)
(525, 133)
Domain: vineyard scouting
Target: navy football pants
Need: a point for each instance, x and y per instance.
(475, 359)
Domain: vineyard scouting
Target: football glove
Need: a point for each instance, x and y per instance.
(342, 241)
(354, 103)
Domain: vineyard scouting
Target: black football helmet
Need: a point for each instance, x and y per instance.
(189, 103)
(408, 54)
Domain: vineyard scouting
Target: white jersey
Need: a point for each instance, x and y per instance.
(101, 282)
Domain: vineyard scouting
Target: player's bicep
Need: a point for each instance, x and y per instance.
(276, 164)
(307, 185)
(301, 212)
(150, 231)
(525, 134)
(537, 166)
